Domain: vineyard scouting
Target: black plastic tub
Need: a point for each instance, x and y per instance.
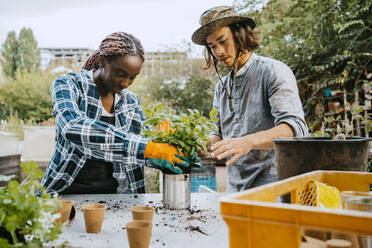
(296, 156)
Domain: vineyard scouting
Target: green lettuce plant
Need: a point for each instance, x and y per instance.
(28, 220)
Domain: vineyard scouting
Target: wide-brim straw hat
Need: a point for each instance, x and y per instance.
(216, 18)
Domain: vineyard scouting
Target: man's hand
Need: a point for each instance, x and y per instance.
(235, 147)
(202, 153)
(238, 147)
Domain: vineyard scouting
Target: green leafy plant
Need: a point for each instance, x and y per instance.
(336, 127)
(185, 131)
(28, 220)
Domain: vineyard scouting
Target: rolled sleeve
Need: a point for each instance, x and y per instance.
(286, 106)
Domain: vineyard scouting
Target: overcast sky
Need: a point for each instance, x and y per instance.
(84, 23)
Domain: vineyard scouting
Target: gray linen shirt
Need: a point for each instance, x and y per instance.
(265, 94)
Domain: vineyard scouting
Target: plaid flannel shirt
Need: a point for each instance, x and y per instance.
(80, 135)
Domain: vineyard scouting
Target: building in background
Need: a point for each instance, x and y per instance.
(157, 64)
(164, 63)
(67, 57)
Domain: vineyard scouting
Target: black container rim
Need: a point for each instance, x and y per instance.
(310, 139)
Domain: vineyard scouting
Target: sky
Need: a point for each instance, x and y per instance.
(84, 23)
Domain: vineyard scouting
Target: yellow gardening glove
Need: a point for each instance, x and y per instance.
(165, 156)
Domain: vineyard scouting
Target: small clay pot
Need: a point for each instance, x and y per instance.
(139, 233)
(333, 106)
(64, 211)
(93, 217)
(142, 213)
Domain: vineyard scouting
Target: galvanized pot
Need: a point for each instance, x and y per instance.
(176, 191)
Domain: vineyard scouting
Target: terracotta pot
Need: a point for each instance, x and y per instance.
(139, 233)
(333, 106)
(93, 217)
(65, 211)
(142, 213)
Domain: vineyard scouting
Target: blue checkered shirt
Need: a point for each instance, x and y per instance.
(80, 135)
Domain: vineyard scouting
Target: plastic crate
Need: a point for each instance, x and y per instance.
(256, 217)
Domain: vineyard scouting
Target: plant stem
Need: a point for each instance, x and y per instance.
(14, 237)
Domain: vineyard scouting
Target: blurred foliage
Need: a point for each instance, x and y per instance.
(152, 182)
(13, 124)
(180, 83)
(27, 96)
(26, 216)
(327, 43)
(192, 93)
(334, 125)
(20, 54)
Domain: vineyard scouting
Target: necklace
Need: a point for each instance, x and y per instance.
(233, 77)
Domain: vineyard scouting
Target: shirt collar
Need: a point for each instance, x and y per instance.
(91, 81)
(247, 64)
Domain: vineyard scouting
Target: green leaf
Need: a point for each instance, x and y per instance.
(4, 243)
(213, 113)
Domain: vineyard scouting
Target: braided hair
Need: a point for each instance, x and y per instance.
(115, 44)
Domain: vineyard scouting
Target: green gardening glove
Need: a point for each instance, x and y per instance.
(165, 157)
(166, 166)
(195, 160)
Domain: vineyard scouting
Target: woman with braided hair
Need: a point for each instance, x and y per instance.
(99, 147)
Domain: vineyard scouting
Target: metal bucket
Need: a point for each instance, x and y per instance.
(176, 191)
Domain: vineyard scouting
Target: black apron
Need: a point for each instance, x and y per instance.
(96, 175)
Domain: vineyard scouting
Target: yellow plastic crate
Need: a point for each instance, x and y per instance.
(255, 218)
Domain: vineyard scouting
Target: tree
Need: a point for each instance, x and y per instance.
(197, 94)
(28, 51)
(9, 53)
(325, 42)
(20, 54)
(28, 96)
(194, 93)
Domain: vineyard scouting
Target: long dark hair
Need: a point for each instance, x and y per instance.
(244, 37)
(115, 44)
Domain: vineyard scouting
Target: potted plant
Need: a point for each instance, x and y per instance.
(25, 219)
(186, 132)
(333, 147)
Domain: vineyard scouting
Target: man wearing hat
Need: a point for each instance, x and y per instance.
(256, 101)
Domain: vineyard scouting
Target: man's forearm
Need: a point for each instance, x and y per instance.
(264, 139)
